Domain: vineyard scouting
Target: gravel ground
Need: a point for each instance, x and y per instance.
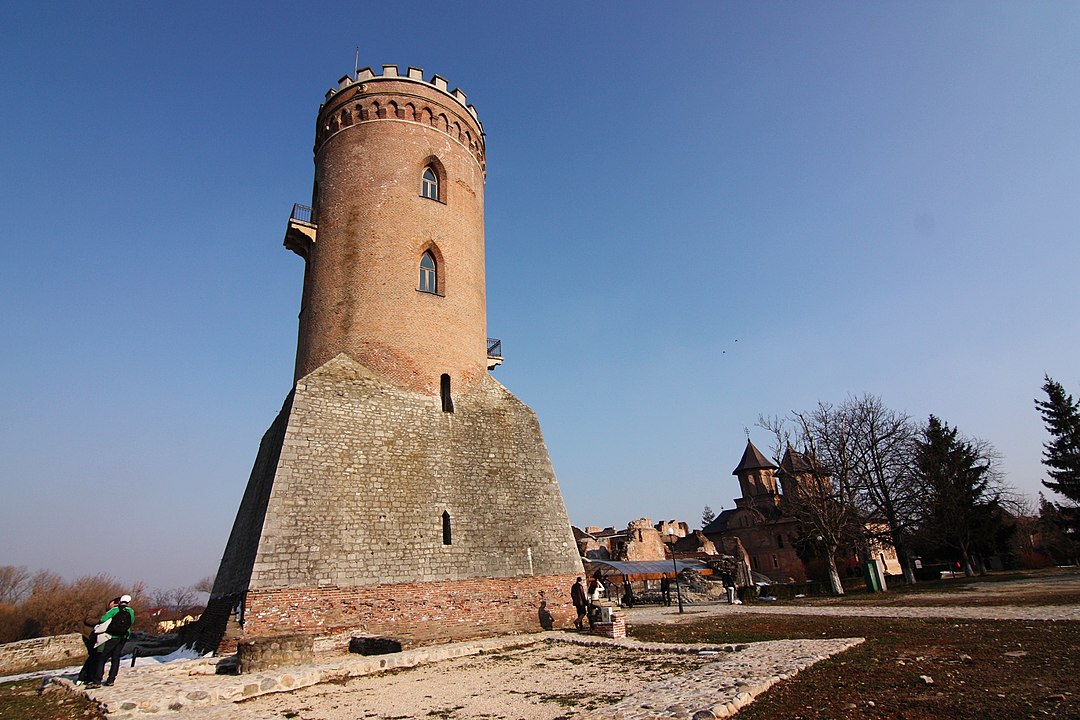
(538, 683)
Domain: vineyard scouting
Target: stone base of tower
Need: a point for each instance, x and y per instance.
(371, 509)
(415, 613)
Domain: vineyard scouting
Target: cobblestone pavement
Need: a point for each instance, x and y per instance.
(712, 688)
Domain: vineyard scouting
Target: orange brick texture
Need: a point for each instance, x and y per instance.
(417, 613)
(361, 295)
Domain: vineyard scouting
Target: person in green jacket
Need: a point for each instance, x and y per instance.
(113, 631)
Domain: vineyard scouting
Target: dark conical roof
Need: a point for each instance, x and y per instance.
(752, 459)
(795, 462)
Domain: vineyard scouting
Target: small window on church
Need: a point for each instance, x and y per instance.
(446, 538)
(780, 541)
(429, 184)
(429, 274)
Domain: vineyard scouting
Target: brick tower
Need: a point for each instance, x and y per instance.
(401, 490)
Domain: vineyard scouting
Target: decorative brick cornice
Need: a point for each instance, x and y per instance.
(409, 98)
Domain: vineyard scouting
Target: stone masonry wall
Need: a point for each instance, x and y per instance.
(367, 471)
(239, 556)
(417, 613)
(27, 655)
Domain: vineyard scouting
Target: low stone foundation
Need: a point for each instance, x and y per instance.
(265, 653)
(36, 653)
(416, 613)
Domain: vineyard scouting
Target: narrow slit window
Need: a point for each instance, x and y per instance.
(444, 391)
(429, 184)
(447, 539)
(429, 274)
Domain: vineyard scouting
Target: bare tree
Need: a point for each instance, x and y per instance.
(883, 464)
(55, 606)
(823, 500)
(14, 584)
(204, 585)
(173, 599)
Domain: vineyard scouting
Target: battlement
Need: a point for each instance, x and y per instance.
(414, 74)
(369, 97)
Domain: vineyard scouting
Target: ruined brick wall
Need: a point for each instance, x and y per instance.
(416, 613)
(644, 542)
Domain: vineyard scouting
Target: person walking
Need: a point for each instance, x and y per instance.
(113, 631)
(581, 602)
(665, 590)
(729, 587)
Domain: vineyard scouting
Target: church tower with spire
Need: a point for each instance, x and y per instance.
(757, 479)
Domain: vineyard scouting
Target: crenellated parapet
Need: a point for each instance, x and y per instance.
(410, 98)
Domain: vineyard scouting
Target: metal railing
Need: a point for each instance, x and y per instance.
(302, 213)
(494, 348)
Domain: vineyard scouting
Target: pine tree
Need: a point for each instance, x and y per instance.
(1061, 454)
(707, 516)
(955, 474)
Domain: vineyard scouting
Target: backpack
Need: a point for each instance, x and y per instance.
(121, 622)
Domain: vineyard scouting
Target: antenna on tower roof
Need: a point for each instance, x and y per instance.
(356, 63)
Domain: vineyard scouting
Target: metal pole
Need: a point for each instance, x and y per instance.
(678, 593)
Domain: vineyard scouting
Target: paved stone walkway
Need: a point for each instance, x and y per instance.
(188, 690)
(653, 614)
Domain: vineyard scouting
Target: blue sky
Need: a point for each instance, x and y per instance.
(697, 214)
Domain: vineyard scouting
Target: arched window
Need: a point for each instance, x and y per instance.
(446, 537)
(429, 186)
(429, 274)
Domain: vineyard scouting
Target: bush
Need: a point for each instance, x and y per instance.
(53, 606)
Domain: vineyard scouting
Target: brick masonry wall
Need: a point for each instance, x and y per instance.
(417, 613)
(27, 655)
(360, 291)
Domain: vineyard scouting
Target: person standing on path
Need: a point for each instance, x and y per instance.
(115, 627)
(596, 592)
(729, 587)
(89, 638)
(665, 590)
(581, 603)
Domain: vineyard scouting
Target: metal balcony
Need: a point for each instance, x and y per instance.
(494, 353)
(301, 231)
